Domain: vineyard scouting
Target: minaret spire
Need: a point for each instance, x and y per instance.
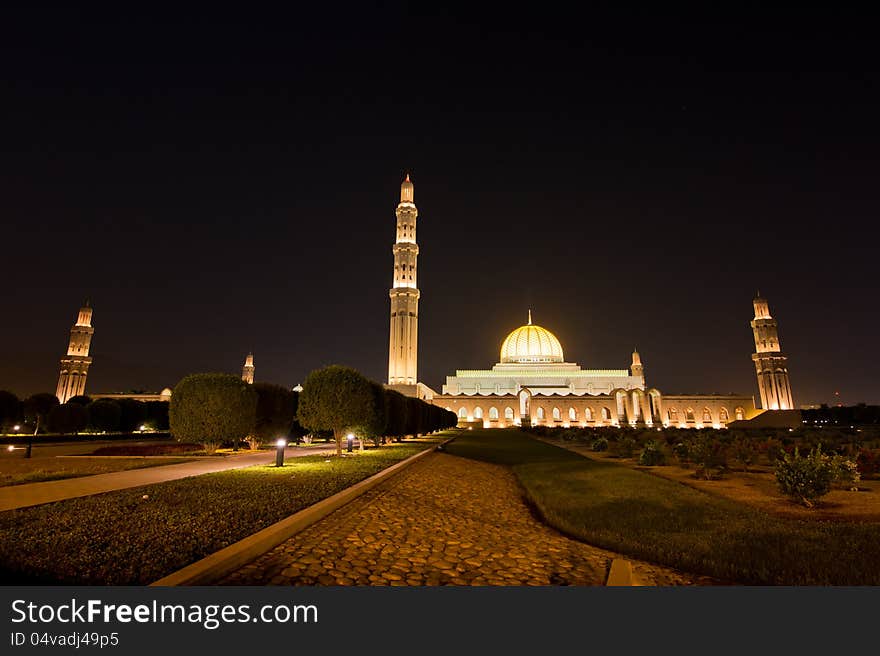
(771, 365)
(530, 316)
(75, 366)
(403, 338)
(247, 372)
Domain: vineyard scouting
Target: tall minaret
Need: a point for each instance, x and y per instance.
(247, 372)
(403, 341)
(637, 369)
(771, 364)
(75, 366)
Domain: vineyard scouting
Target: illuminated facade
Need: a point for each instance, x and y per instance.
(247, 372)
(75, 365)
(533, 385)
(771, 365)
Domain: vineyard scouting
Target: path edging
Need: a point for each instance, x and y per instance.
(621, 573)
(218, 564)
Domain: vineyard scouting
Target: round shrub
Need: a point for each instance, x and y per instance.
(211, 409)
(624, 446)
(599, 444)
(651, 455)
(104, 414)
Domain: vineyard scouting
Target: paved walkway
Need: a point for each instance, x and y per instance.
(443, 521)
(33, 494)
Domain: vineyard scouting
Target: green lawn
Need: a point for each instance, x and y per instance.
(662, 521)
(21, 471)
(120, 538)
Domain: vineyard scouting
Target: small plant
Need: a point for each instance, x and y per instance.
(743, 451)
(868, 462)
(651, 455)
(681, 453)
(805, 478)
(624, 446)
(599, 444)
(307, 439)
(709, 457)
(846, 473)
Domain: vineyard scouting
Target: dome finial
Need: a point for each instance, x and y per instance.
(530, 316)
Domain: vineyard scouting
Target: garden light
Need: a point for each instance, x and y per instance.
(279, 452)
(10, 448)
(350, 439)
(16, 427)
(143, 427)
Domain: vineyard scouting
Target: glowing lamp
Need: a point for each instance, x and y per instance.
(10, 448)
(16, 427)
(279, 452)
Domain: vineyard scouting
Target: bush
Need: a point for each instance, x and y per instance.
(743, 451)
(212, 409)
(845, 472)
(681, 453)
(599, 444)
(805, 478)
(652, 455)
(104, 414)
(275, 414)
(708, 455)
(68, 418)
(624, 446)
(868, 462)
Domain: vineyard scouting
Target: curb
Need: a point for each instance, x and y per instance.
(621, 574)
(212, 567)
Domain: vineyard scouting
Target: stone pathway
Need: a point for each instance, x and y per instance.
(443, 521)
(33, 494)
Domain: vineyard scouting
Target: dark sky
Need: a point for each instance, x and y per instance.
(220, 182)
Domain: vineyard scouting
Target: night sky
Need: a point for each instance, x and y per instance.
(223, 182)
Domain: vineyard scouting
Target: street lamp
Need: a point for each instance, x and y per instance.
(279, 452)
(350, 439)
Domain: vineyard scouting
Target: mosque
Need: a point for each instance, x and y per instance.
(532, 384)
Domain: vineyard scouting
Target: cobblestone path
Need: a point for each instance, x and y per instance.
(442, 521)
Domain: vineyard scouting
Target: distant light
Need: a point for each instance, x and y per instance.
(143, 427)
(10, 448)
(16, 427)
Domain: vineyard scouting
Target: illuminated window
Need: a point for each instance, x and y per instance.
(723, 415)
(478, 413)
(556, 414)
(572, 414)
(707, 416)
(740, 414)
(588, 414)
(540, 414)
(462, 413)
(689, 414)
(493, 413)
(508, 413)
(672, 413)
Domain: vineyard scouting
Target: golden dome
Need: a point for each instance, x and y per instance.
(531, 343)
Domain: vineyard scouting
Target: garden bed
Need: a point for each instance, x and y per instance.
(137, 536)
(619, 508)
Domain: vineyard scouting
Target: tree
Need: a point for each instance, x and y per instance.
(37, 408)
(82, 399)
(335, 397)
(212, 409)
(157, 415)
(10, 408)
(375, 428)
(275, 414)
(68, 418)
(104, 414)
(133, 414)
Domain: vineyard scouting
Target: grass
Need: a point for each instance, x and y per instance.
(121, 538)
(665, 522)
(21, 471)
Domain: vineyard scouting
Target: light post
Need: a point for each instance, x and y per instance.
(350, 439)
(279, 452)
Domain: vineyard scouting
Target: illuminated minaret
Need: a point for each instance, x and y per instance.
(637, 369)
(75, 366)
(247, 372)
(403, 341)
(771, 364)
